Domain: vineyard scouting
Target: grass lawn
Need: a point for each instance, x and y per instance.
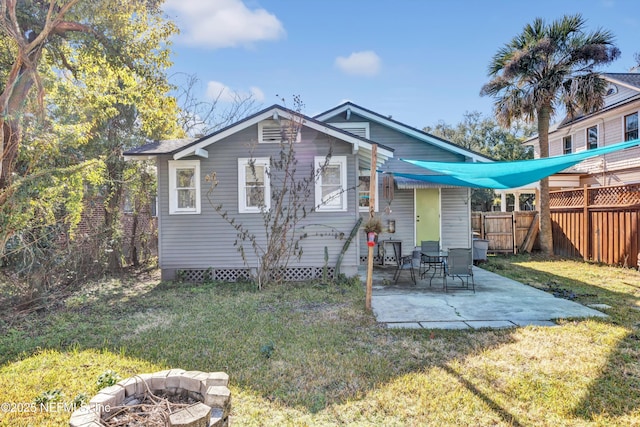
(311, 355)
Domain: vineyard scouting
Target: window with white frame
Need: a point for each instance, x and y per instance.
(276, 131)
(567, 145)
(592, 137)
(631, 127)
(331, 183)
(184, 187)
(254, 194)
(364, 179)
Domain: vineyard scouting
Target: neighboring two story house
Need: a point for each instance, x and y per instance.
(617, 121)
(194, 239)
(601, 223)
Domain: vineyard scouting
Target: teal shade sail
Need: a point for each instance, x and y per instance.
(505, 175)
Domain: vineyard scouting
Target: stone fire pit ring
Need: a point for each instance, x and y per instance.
(208, 388)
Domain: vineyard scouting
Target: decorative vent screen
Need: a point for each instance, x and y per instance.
(293, 274)
(275, 130)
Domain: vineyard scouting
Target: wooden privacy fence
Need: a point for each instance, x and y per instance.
(507, 232)
(598, 224)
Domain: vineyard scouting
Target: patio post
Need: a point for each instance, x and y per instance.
(372, 203)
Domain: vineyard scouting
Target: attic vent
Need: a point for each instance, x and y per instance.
(357, 128)
(359, 131)
(275, 131)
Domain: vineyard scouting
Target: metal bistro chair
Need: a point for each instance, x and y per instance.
(460, 265)
(427, 262)
(404, 263)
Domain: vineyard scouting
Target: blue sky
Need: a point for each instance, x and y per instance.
(417, 61)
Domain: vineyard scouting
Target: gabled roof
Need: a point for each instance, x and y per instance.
(403, 128)
(630, 80)
(159, 147)
(184, 148)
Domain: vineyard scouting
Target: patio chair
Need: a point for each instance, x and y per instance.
(460, 265)
(426, 262)
(403, 263)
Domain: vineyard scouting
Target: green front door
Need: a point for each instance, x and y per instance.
(427, 214)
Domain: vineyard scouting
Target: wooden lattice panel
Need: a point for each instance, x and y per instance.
(376, 259)
(293, 274)
(230, 274)
(331, 272)
(627, 195)
(566, 198)
(194, 275)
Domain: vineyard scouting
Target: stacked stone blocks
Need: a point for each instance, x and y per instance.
(210, 389)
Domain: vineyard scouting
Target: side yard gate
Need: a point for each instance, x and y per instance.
(599, 224)
(507, 232)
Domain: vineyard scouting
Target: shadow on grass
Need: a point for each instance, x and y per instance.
(308, 346)
(498, 409)
(305, 346)
(616, 392)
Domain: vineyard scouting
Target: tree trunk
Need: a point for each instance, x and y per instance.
(12, 100)
(546, 236)
(133, 250)
(115, 190)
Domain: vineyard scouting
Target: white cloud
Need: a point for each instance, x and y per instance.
(257, 93)
(223, 23)
(223, 93)
(365, 63)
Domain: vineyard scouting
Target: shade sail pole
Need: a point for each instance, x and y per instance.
(372, 204)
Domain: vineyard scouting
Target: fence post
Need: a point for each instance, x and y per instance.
(513, 231)
(586, 231)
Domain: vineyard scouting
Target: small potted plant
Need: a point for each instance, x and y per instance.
(373, 227)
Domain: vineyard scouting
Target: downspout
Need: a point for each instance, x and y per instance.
(604, 156)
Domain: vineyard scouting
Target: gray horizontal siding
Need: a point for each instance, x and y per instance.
(455, 218)
(404, 145)
(455, 231)
(207, 240)
(403, 214)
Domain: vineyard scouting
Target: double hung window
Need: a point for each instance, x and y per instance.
(254, 185)
(331, 183)
(631, 127)
(592, 137)
(567, 145)
(184, 187)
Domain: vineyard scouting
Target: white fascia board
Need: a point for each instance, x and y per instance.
(138, 158)
(200, 152)
(228, 132)
(285, 115)
(621, 83)
(355, 141)
(403, 129)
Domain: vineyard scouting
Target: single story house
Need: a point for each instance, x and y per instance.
(196, 242)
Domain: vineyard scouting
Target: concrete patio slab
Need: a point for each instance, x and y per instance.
(493, 324)
(497, 303)
(444, 325)
(404, 325)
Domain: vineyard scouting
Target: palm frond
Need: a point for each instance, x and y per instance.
(546, 66)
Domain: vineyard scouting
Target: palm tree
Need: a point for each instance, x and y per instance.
(545, 67)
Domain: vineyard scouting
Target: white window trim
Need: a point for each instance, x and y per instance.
(624, 123)
(280, 123)
(586, 135)
(564, 146)
(344, 125)
(319, 162)
(366, 208)
(242, 185)
(174, 165)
